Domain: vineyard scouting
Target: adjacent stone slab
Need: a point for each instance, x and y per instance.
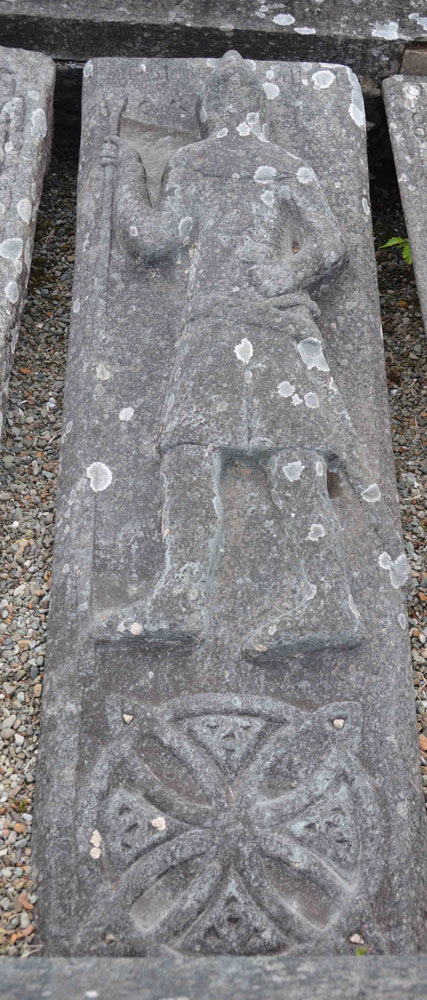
(218, 773)
(369, 38)
(405, 100)
(26, 94)
(370, 978)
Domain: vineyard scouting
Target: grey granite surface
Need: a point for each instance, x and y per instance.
(369, 37)
(227, 604)
(327, 978)
(405, 100)
(27, 82)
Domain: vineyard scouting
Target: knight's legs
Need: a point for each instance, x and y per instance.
(191, 530)
(324, 615)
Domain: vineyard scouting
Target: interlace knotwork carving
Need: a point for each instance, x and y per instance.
(231, 824)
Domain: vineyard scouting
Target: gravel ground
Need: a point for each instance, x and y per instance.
(27, 493)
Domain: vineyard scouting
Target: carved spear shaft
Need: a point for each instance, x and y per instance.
(117, 104)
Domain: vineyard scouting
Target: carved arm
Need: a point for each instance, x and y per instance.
(150, 233)
(323, 252)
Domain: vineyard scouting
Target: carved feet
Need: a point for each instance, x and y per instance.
(178, 613)
(306, 630)
(175, 613)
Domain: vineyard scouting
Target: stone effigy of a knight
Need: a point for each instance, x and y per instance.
(250, 377)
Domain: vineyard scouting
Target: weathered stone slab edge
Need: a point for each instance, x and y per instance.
(30, 173)
(411, 168)
(370, 978)
(80, 37)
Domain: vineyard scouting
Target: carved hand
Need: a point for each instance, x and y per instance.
(110, 151)
(273, 279)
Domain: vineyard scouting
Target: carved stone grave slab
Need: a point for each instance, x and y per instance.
(373, 978)
(405, 100)
(26, 94)
(369, 37)
(228, 604)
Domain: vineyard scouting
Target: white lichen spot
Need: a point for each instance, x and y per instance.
(136, 629)
(38, 124)
(332, 386)
(142, 68)
(159, 823)
(323, 79)
(100, 476)
(23, 209)
(284, 19)
(296, 399)
(316, 531)
(76, 305)
(305, 31)
(102, 372)
(402, 621)
(185, 226)
(372, 493)
(96, 839)
(285, 389)
(271, 90)
(293, 470)
(422, 21)
(268, 198)
(11, 291)
(389, 30)
(203, 115)
(127, 719)
(133, 231)
(88, 69)
(126, 413)
(211, 63)
(11, 249)
(319, 469)
(305, 175)
(311, 400)
(311, 351)
(222, 133)
(264, 175)
(69, 427)
(399, 570)
(357, 107)
(66, 568)
(338, 723)
(352, 607)
(244, 351)
(310, 592)
(270, 74)
(243, 129)
(252, 64)
(365, 206)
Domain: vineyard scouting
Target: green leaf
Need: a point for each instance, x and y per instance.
(396, 241)
(361, 950)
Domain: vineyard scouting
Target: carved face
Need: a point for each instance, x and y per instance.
(231, 93)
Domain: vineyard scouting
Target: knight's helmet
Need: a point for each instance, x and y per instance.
(231, 91)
